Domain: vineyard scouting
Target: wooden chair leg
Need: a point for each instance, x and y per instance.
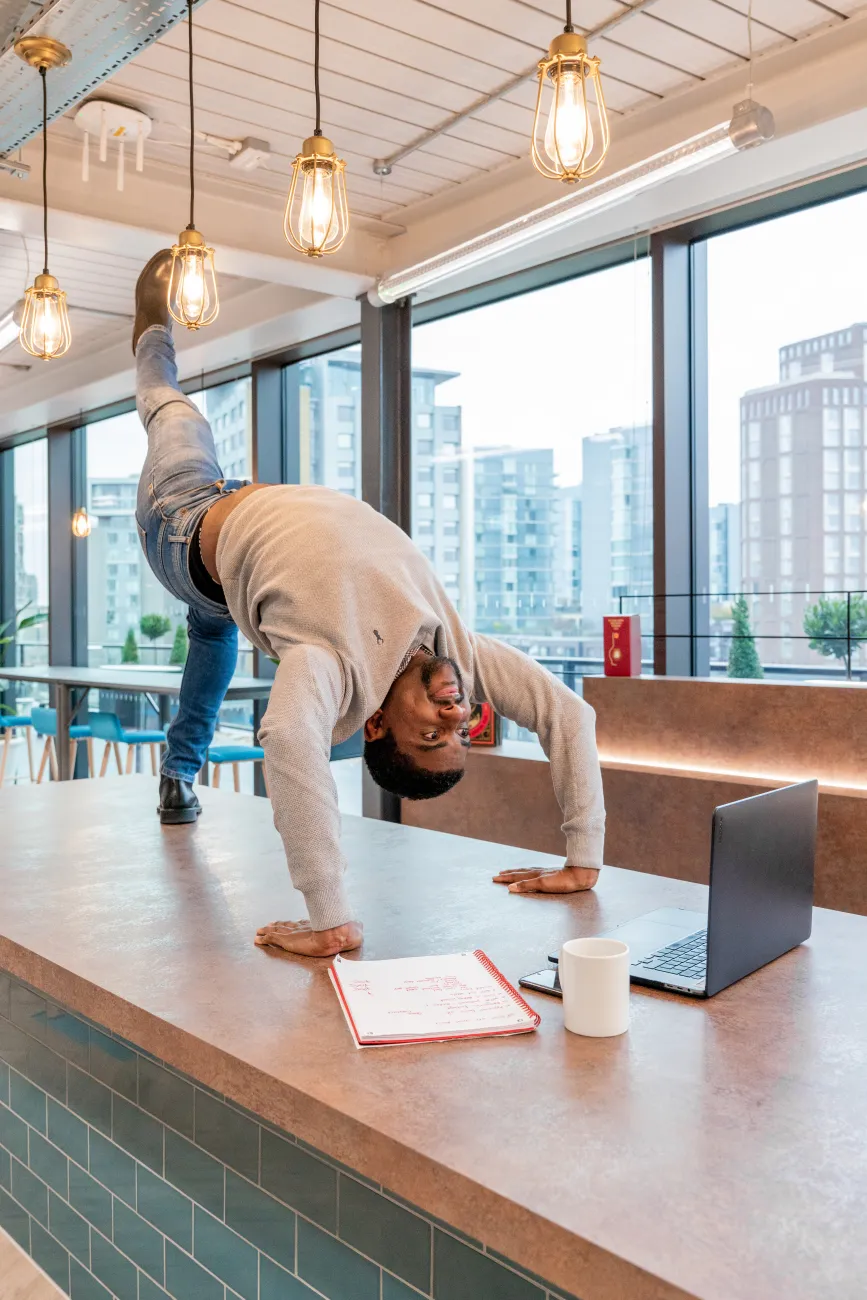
(236, 774)
(73, 755)
(6, 734)
(116, 748)
(106, 754)
(218, 767)
(153, 749)
(29, 737)
(130, 755)
(91, 766)
(45, 752)
(52, 759)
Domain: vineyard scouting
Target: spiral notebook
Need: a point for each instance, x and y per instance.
(428, 999)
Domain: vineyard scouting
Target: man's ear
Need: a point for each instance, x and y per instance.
(374, 727)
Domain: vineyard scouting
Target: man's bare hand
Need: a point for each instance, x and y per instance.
(296, 936)
(566, 880)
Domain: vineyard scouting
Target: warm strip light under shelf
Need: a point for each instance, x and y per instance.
(663, 766)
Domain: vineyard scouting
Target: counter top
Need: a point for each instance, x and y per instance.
(717, 1151)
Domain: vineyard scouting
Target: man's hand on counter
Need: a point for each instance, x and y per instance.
(296, 936)
(566, 880)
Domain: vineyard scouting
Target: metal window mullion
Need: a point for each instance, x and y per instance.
(673, 491)
(386, 451)
(699, 448)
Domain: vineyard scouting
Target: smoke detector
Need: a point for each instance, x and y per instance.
(106, 120)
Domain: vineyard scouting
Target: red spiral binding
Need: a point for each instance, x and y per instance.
(504, 983)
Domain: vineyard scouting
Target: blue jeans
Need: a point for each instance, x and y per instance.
(181, 479)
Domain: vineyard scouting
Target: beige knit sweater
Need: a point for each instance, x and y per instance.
(339, 594)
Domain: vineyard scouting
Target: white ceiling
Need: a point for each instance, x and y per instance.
(391, 73)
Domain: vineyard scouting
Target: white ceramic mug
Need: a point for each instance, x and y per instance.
(594, 977)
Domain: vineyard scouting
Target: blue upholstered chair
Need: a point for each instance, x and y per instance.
(235, 754)
(45, 724)
(108, 727)
(9, 724)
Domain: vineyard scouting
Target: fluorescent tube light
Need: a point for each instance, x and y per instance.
(751, 124)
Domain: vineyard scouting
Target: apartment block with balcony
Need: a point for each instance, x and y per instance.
(802, 483)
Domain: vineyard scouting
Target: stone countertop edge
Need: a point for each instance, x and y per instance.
(527, 1239)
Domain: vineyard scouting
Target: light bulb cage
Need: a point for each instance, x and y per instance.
(81, 524)
(43, 296)
(201, 309)
(316, 165)
(44, 299)
(567, 56)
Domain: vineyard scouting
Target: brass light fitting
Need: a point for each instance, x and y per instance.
(192, 294)
(570, 127)
(43, 52)
(316, 220)
(45, 331)
(193, 299)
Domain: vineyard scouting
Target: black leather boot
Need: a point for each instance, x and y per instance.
(151, 295)
(178, 802)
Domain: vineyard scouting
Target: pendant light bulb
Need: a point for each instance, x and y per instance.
(570, 128)
(193, 300)
(316, 220)
(569, 133)
(45, 331)
(81, 524)
(317, 216)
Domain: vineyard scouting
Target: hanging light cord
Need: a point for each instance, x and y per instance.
(192, 224)
(750, 44)
(568, 27)
(44, 168)
(318, 130)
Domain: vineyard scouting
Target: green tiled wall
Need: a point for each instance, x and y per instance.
(124, 1179)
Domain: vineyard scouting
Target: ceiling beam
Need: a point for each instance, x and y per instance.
(246, 233)
(265, 318)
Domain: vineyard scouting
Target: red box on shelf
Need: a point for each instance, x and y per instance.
(622, 645)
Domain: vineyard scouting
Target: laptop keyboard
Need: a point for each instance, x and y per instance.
(687, 957)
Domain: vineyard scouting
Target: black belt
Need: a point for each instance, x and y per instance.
(201, 579)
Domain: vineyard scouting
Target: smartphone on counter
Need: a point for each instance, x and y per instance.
(543, 981)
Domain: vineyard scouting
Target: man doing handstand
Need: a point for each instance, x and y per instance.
(364, 635)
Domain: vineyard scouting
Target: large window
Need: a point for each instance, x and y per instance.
(324, 404)
(122, 593)
(532, 462)
(131, 618)
(787, 348)
(30, 489)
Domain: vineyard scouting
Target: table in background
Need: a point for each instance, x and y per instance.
(160, 685)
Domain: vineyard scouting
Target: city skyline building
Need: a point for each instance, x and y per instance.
(120, 585)
(802, 487)
(617, 526)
